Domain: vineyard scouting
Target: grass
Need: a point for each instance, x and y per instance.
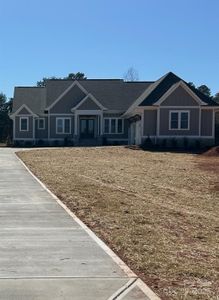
(157, 211)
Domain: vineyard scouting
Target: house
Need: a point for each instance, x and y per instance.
(96, 111)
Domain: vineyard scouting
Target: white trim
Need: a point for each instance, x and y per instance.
(116, 125)
(141, 98)
(88, 112)
(180, 107)
(33, 133)
(38, 123)
(23, 118)
(187, 136)
(199, 122)
(93, 99)
(213, 123)
(19, 109)
(179, 112)
(63, 124)
(158, 122)
(14, 128)
(23, 139)
(60, 114)
(66, 91)
(174, 87)
(116, 139)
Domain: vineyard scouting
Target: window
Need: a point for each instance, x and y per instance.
(113, 125)
(106, 126)
(63, 125)
(179, 120)
(41, 123)
(24, 124)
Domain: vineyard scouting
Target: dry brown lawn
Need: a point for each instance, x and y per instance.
(157, 211)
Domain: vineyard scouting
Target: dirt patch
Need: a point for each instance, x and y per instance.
(212, 152)
(157, 211)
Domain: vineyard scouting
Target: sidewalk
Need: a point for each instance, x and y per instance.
(46, 253)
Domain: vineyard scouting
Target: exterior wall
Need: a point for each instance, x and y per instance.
(164, 123)
(96, 123)
(117, 136)
(53, 134)
(41, 133)
(89, 104)
(179, 97)
(71, 99)
(149, 122)
(24, 111)
(23, 134)
(206, 122)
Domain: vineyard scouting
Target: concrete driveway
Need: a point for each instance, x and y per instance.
(47, 254)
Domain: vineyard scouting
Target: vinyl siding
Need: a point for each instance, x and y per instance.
(53, 134)
(24, 111)
(179, 97)
(23, 134)
(89, 104)
(164, 123)
(71, 99)
(206, 122)
(150, 122)
(41, 133)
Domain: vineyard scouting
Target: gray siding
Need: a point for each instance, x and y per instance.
(118, 136)
(53, 134)
(41, 133)
(164, 123)
(150, 122)
(89, 104)
(23, 134)
(206, 122)
(179, 97)
(71, 99)
(24, 111)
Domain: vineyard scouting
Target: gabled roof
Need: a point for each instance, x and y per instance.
(164, 84)
(92, 98)
(33, 97)
(114, 94)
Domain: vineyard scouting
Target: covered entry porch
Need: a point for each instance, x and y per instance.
(88, 129)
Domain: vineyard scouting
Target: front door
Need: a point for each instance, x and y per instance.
(86, 128)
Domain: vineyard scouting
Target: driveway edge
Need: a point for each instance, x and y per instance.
(145, 289)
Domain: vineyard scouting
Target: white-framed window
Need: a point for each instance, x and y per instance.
(179, 120)
(24, 124)
(41, 123)
(113, 126)
(63, 125)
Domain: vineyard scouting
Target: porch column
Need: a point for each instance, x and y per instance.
(76, 124)
(101, 123)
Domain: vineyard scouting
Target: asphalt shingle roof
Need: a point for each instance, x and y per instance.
(33, 97)
(164, 84)
(114, 94)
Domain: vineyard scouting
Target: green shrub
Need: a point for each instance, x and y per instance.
(147, 144)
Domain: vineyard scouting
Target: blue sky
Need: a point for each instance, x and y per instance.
(104, 38)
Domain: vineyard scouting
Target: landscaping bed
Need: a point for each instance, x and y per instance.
(157, 211)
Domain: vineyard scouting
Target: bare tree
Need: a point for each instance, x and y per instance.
(131, 75)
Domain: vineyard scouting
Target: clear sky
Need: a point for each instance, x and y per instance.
(104, 38)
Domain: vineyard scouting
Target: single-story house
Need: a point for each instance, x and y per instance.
(96, 111)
